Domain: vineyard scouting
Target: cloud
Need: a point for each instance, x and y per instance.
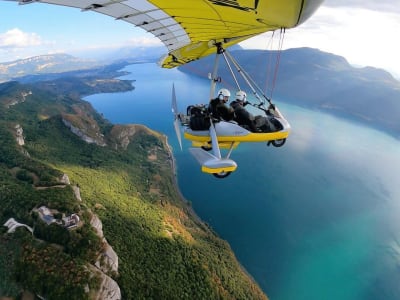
(363, 36)
(145, 42)
(135, 42)
(15, 38)
(377, 6)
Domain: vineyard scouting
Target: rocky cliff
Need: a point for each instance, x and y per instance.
(107, 261)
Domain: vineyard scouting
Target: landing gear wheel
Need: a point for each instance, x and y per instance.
(278, 143)
(207, 148)
(222, 174)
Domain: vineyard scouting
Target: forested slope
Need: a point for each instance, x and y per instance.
(125, 177)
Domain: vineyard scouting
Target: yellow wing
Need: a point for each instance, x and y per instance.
(190, 28)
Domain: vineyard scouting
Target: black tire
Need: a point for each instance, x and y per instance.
(222, 174)
(207, 148)
(278, 143)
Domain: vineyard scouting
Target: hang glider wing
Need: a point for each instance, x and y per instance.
(190, 28)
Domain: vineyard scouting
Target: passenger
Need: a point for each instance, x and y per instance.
(245, 118)
(242, 116)
(218, 106)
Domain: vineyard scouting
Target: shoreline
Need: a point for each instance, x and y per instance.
(191, 213)
(174, 169)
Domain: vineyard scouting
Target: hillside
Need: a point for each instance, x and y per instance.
(319, 80)
(57, 152)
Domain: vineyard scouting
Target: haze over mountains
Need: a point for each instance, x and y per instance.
(43, 64)
(61, 63)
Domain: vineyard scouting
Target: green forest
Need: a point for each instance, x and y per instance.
(164, 250)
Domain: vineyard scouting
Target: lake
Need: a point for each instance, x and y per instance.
(315, 219)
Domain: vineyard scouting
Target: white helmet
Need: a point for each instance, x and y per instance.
(241, 96)
(223, 93)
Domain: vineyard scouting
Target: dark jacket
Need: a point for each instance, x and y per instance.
(220, 110)
(242, 116)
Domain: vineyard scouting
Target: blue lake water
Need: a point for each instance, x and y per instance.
(317, 219)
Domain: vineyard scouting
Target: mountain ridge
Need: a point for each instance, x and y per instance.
(42, 64)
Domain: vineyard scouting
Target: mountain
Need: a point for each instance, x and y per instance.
(48, 67)
(43, 64)
(59, 159)
(319, 80)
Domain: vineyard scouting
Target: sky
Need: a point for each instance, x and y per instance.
(365, 32)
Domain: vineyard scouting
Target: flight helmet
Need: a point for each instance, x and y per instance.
(241, 96)
(224, 93)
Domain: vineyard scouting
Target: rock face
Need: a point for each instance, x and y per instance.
(108, 261)
(77, 192)
(19, 135)
(109, 289)
(122, 135)
(87, 129)
(18, 99)
(65, 179)
(83, 133)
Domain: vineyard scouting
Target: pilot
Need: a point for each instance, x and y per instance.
(245, 118)
(219, 108)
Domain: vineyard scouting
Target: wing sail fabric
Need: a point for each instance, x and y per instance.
(189, 29)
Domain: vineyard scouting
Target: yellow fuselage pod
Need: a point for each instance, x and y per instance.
(206, 144)
(215, 170)
(231, 134)
(213, 164)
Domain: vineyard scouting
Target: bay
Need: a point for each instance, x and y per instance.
(315, 219)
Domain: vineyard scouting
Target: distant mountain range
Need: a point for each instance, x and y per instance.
(319, 80)
(62, 63)
(43, 64)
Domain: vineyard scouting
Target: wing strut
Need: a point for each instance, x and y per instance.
(214, 163)
(176, 116)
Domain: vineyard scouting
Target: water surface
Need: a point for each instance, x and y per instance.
(315, 219)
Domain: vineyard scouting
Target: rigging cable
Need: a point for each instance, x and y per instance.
(269, 63)
(250, 82)
(278, 59)
(230, 69)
